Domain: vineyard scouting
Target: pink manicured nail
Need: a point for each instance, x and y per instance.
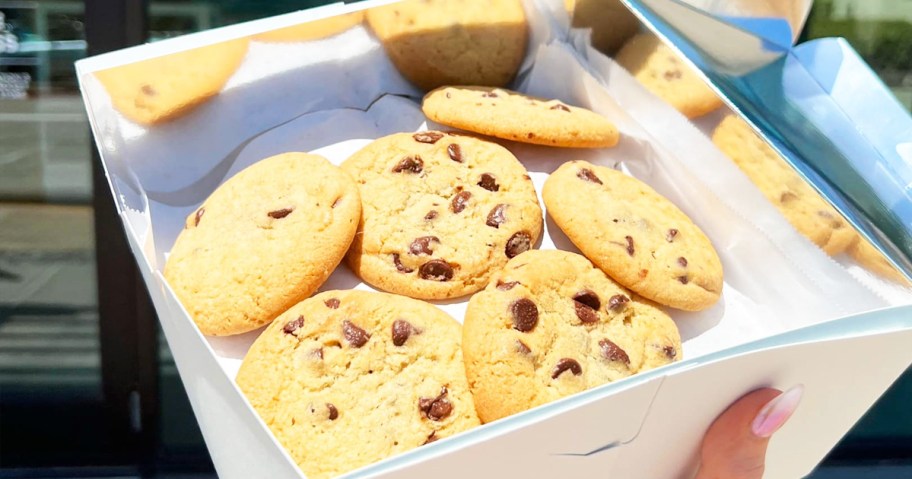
(776, 412)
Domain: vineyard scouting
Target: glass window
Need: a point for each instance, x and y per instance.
(49, 341)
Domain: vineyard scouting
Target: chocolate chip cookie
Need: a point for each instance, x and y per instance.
(442, 212)
(660, 70)
(347, 378)
(873, 260)
(806, 210)
(264, 240)
(635, 235)
(550, 325)
(514, 116)
(443, 42)
(160, 89)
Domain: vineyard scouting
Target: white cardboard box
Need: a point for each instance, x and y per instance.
(789, 313)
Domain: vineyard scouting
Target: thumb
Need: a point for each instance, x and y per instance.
(735, 445)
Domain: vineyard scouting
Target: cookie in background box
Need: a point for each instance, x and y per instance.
(161, 89)
(801, 205)
(659, 69)
(444, 42)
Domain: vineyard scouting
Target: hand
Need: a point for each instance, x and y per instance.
(735, 445)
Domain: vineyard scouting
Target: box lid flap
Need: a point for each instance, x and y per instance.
(818, 104)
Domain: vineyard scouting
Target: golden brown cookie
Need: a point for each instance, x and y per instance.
(810, 214)
(635, 235)
(264, 240)
(315, 30)
(869, 258)
(513, 116)
(347, 378)
(660, 70)
(611, 22)
(443, 42)
(442, 213)
(163, 88)
(550, 325)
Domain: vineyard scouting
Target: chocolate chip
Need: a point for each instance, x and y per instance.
(427, 137)
(148, 90)
(520, 242)
(422, 245)
(670, 352)
(199, 215)
(525, 315)
(488, 182)
(496, 216)
(437, 408)
(587, 175)
(431, 215)
(433, 435)
(353, 334)
(332, 303)
(588, 298)
(566, 364)
(506, 286)
(293, 326)
(455, 152)
(672, 75)
(617, 302)
(787, 196)
(436, 270)
(560, 106)
(613, 352)
(630, 249)
(682, 261)
(399, 266)
(459, 201)
(489, 94)
(834, 222)
(530, 135)
(279, 214)
(683, 279)
(585, 313)
(672, 233)
(402, 329)
(522, 348)
(447, 93)
(333, 412)
(411, 164)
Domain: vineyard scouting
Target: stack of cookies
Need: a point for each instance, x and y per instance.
(431, 216)
(438, 215)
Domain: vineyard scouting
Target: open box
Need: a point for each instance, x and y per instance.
(789, 313)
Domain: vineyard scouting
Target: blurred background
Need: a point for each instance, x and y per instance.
(87, 384)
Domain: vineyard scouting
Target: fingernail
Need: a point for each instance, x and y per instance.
(776, 412)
